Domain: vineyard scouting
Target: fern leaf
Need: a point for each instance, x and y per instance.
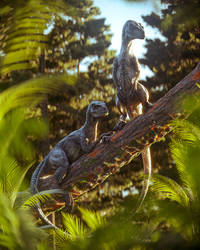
(74, 226)
(168, 188)
(92, 219)
(41, 197)
(23, 30)
(32, 92)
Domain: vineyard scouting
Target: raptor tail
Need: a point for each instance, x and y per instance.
(146, 157)
(35, 177)
(33, 188)
(43, 217)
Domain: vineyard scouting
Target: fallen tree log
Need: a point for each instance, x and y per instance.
(106, 159)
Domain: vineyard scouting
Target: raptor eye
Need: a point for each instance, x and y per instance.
(95, 106)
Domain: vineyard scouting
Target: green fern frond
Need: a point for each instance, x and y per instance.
(74, 226)
(92, 219)
(23, 28)
(185, 130)
(17, 229)
(41, 197)
(185, 148)
(31, 92)
(11, 177)
(179, 152)
(168, 188)
(16, 176)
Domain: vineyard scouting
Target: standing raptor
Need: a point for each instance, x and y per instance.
(132, 97)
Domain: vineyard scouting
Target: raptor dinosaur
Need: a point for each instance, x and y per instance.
(56, 165)
(132, 97)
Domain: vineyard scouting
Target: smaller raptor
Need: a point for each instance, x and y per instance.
(56, 165)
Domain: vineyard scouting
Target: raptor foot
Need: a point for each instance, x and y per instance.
(69, 203)
(105, 137)
(119, 126)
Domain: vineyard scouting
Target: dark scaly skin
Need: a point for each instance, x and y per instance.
(57, 163)
(132, 97)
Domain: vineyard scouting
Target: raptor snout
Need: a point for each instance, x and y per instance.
(142, 34)
(139, 33)
(98, 109)
(106, 111)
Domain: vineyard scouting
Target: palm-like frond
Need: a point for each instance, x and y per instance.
(15, 125)
(92, 219)
(41, 197)
(31, 92)
(185, 148)
(169, 188)
(24, 27)
(74, 226)
(11, 178)
(17, 230)
(185, 130)
(179, 152)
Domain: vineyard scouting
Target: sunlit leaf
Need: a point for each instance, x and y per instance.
(32, 92)
(169, 189)
(93, 219)
(41, 197)
(24, 26)
(74, 226)
(17, 228)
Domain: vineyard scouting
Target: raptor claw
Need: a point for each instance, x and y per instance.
(119, 125)
(69, 203)
(105, 137)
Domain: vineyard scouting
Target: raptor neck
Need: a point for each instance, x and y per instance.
(126, 47)
(90, 127)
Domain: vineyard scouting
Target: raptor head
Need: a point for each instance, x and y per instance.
(97, 109)
(132, 30)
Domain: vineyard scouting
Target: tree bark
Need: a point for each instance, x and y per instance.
(44, 109)
(106, 159)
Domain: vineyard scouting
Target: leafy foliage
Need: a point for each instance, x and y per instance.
(92, 219)
(17, 230)
(40, 197)
(185, 152)
(71, 38)
(169, 189)
(23, 26)
(74, 226)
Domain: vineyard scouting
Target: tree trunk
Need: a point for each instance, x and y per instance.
(43, 105)
(106, 159)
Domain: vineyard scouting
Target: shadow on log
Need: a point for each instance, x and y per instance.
(106, 159)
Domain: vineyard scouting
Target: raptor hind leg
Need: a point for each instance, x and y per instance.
(59, 161)
(133, 112)
(122, 120)
(143, 95)
(69, 202)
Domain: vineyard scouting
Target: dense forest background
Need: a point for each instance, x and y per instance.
(45, 91)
